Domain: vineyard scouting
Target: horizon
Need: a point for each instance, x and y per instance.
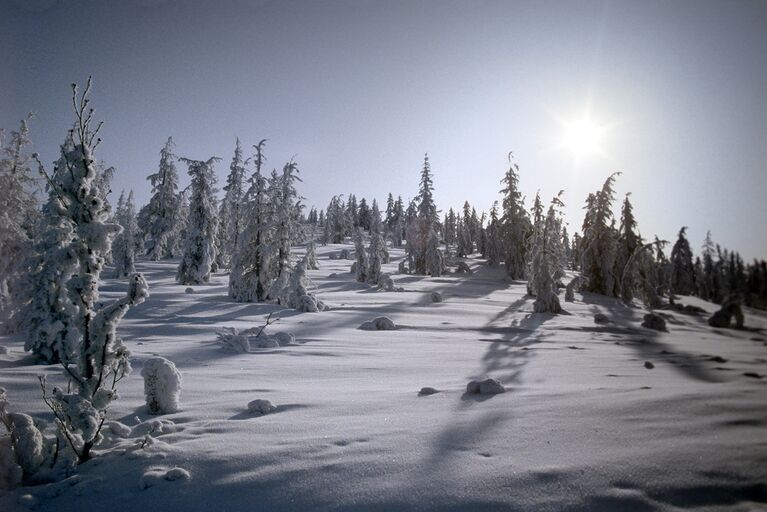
(677, 88)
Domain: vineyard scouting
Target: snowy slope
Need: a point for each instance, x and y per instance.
(584, 425)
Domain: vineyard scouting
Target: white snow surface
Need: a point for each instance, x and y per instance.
(583, 425)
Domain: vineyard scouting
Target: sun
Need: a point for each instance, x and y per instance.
(583, 137)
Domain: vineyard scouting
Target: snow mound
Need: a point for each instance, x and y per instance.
(118, 429)
(232, 340)
(601, 318)
(10, 472)
(189, 290)
(261, 407)
(162, 385)
(382, 323)
(655, 322)
(428, 391)
(156, 476)
(436, 297)
(3, 350)
(485, 387)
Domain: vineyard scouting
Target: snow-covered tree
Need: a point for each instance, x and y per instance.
(361, 264)
(94, 358)
(18, 216)
(231, 218)
(515, 223)
(287, 211)
(494, 245)
(546, 259)
(682, 270)
(598, 246)
(465, 246)
(161, 220)
(200, 244)
(628, 243)
(252, 272)
(311, 256)
(377, 256)
(422, 226)
(375, 224)
(124, 245)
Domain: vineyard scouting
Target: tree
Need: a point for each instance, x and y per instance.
(93, 357)
(515, 223)
(18, 216)
(124, 245)
(494, 244)
(363, 214)
(362, 264)
(160, 220)
(628, 243)
(200, 246)
(287, 211)
(231, 217)
(252, 272)
(421, 226)
(682, 269)
(598, 246)
(546, 259)
(375, 225)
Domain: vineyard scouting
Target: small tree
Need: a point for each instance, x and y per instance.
(546, 259)
(231, 216)
(200, 246)
(124, 245)
(682, 269)
(94, 358)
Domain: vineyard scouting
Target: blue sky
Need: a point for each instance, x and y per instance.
(359, 90)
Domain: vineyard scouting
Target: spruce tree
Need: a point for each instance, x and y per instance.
(598, 246)
(231, 215)
(199, 255)
(515, 224)
(124, 245)
(160, 220)
(682, 269)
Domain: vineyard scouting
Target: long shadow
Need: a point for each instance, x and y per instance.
(504, 360)
(648, 345)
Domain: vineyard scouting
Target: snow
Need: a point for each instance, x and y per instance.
(162, 385)
(582, 426)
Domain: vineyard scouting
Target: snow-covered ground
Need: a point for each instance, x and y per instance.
(584, 424)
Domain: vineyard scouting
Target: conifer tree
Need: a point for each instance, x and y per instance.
(628, 243)
(18, 216)
(494, 251)
(375, 225)
(515, 223)
(421, 227)
(252, 274)
(682, 270)
(94, 358)
(231, 218)
(124, 245)
(598, 245)
(546, 259)
(200, 247)
(161, 220)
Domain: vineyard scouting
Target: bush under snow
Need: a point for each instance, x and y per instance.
(261, 406)
(162, 385)
(382, 323)
(485, 387)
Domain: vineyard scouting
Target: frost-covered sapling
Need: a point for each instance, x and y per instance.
(311, 256)
(162, 385)
(93, 356)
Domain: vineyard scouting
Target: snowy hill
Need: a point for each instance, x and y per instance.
(584, 424)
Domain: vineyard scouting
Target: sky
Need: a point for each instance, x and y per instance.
(358, 91)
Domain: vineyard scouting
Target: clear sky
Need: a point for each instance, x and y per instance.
(359, 90)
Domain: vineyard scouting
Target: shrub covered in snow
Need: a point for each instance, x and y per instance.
(260, 407)
(485, 387)
(162, 385)
(382, 323)
(436, 297)
(723, 317)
